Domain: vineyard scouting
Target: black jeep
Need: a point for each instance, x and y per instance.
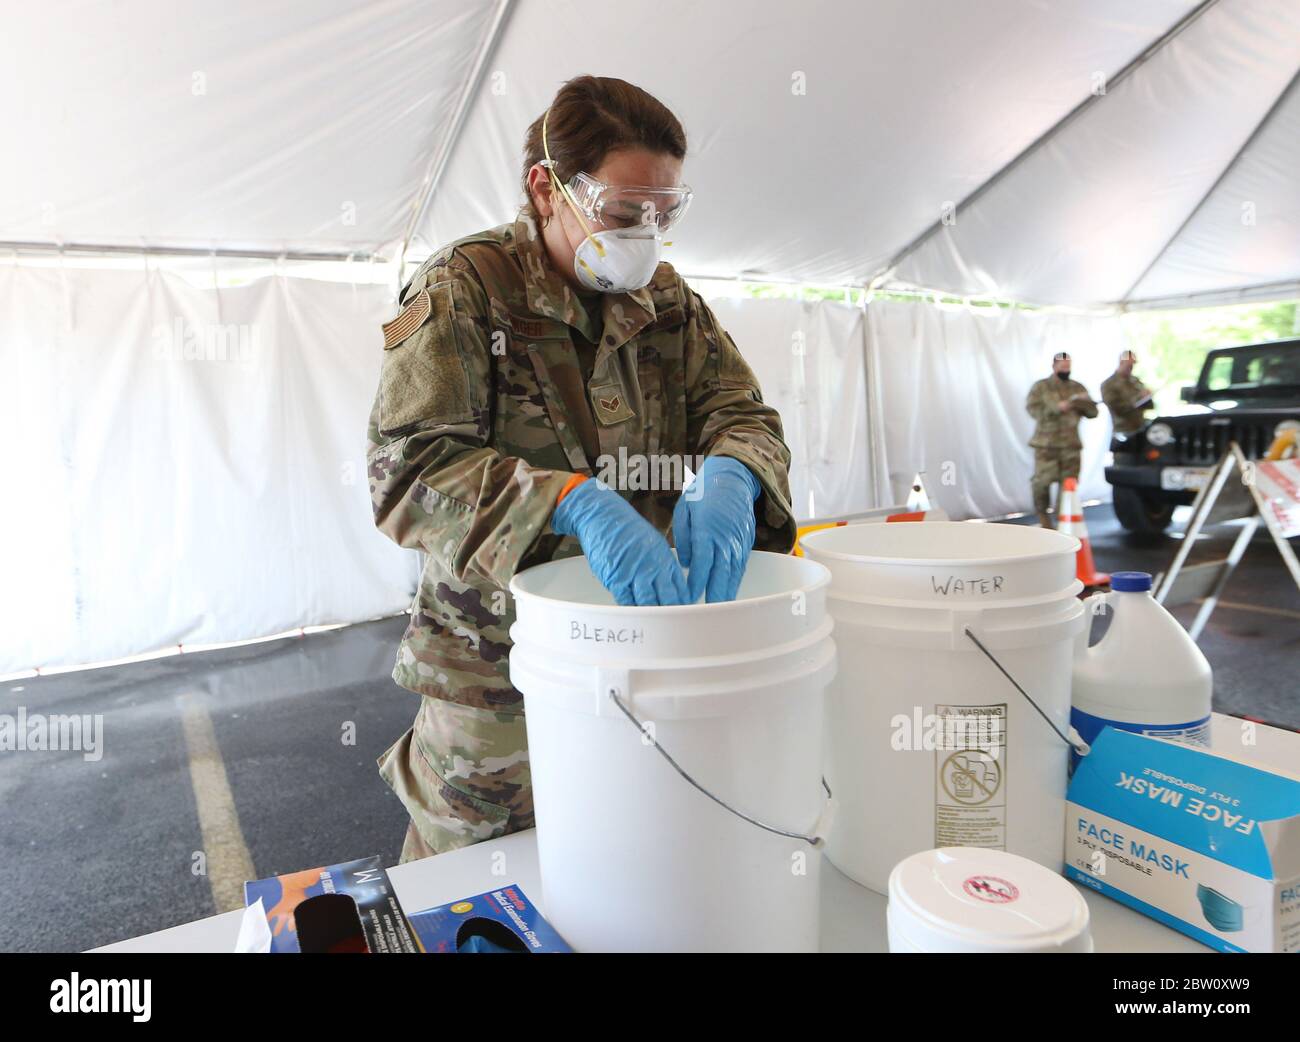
(1242, 395)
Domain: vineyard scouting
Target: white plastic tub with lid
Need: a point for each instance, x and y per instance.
(910, 767)
(632, 856)
(973, 900)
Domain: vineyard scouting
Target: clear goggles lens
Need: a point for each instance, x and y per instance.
(622, 206)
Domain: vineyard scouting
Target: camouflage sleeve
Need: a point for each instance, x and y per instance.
(1037, 405)
(726, 416)
(1113, 397)
(434, 482)
(1140, 394)
(1085, 404)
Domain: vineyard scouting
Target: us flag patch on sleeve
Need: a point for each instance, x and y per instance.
(411, 318)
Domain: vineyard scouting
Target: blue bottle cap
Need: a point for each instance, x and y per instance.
(1130, 582)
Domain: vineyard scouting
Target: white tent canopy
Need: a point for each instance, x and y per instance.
(1091, 152)
(191, 450)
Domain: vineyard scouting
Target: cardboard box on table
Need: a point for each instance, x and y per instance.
(349, 907)
(352, 907)
(1200, 842)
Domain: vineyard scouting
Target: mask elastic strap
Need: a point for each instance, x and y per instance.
(564, 190)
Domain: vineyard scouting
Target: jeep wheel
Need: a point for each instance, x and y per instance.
(1141, 515)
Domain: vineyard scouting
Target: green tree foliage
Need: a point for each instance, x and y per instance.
(1171, 345)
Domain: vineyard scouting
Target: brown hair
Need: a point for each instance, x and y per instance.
(592, 116)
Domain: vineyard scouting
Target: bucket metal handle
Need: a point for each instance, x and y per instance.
(1073, 739)
(821, 827)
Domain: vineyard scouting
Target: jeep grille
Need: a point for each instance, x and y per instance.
(1206, 443)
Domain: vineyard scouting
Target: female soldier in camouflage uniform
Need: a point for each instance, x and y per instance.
(524, 360)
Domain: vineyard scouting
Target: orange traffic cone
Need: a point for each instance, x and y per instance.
(1069, 521)
(920, 515)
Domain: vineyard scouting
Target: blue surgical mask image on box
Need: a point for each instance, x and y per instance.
(1207, 845)
(1223, 913)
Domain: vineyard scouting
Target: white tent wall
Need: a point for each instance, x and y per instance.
(155, 499)
(914, 386)
(809, 360)
(186, 464)
(950, 384)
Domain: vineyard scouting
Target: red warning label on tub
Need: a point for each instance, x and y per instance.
(970, 790)
(991, 889)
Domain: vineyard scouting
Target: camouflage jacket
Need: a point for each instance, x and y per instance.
(1121, 394)
(1056, 429)
(470, 443)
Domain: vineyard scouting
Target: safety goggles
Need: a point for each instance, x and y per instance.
(624, 206)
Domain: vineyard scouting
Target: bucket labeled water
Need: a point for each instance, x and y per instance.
(676, 758)
(929, 742)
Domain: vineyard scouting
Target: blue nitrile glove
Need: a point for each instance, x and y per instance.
(630, 558)
(713, 527)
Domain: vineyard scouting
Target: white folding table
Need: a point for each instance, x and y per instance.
(852, 917)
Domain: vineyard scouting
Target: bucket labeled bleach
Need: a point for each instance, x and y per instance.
(1145, 674)
(974, 900)
(676, 758)
(946, 631)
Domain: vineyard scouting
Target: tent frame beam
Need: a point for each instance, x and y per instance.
(443, 152)
(1288, 289)
(1251, 138)
(1083, 106)
(145, 250)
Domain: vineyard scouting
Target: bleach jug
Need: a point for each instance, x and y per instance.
(1144, 675)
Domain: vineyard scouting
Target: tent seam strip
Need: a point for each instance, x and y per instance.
(441, 158)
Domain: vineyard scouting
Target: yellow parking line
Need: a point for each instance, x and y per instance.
(229, 863)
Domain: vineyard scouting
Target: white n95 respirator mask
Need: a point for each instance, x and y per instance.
(619, 260)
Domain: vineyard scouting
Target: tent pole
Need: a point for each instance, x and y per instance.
(1288, 290)
(1044, 137)
(106, 249)
(442, 155)
(1267, 118)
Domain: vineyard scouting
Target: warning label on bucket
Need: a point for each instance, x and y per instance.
(970, 759)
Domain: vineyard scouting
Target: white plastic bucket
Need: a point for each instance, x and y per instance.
(633, 857)
(971, 900)
(928, 744)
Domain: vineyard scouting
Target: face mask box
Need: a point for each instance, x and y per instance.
(501, 920)
(1201, 843)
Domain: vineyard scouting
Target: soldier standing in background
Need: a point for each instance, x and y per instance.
(1056, 402)
(1125, 396)
(524, 360)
